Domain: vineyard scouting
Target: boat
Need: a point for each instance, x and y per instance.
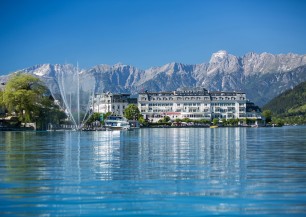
(115, 122)
(214, 126)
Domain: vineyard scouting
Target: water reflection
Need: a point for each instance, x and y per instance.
(154, 171)
(106, 154)
(24, 158)
(192, 153)
(278, 160)
(150, 154)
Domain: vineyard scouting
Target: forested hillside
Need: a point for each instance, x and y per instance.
(291, 104)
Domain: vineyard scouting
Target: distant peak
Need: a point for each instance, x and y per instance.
(218, 56)
(119, 64)
(221, 52)
(173, 65)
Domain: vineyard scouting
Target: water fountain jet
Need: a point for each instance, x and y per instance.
(76, 92)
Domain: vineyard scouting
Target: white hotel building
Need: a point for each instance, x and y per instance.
(195, 104)
(115, 103)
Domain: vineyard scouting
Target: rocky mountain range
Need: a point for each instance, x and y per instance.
(262, 76)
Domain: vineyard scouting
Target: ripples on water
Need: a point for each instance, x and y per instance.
(187, 172)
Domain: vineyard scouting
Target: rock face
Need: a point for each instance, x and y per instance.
(262, 76)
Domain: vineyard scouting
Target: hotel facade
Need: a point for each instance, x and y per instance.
(196, 104)
(112, 102)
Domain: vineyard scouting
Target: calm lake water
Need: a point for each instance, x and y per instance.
(185, 172)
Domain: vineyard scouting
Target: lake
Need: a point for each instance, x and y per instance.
(154, 172)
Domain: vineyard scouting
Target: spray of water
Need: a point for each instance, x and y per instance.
(76, 92)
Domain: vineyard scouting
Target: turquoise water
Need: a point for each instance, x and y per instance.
(154, 172)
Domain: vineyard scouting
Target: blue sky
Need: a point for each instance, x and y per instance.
(145, 33)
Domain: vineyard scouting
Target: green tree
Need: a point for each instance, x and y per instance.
(27, 97)
(160, 121)
(224, 122)
(94, 117)
(23, 94)
(203, 121)
(215, 121)
(248, 121)
(187, 120)
(143, 121)
(2, 107)
(278, 121)
(49, 113)
(97, 117)
(132, 112)
(233, 122)
(1, 98)
(166, 119)
(177, 120)
(268, 115)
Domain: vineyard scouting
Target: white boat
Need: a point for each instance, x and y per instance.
(114, 122)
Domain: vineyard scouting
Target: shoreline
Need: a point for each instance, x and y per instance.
(153, 127)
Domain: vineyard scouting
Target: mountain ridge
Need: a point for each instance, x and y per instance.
(262, 76)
